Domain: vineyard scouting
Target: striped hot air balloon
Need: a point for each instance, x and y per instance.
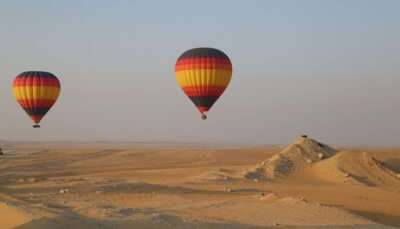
(36, 92)
(203, 74)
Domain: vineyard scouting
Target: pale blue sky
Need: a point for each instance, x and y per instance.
(327, 68)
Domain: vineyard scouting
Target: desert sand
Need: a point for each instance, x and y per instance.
(307, 184)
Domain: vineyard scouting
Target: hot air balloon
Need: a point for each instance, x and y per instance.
(203, 74)
(36, 92)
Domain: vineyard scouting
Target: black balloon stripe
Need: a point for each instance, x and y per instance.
(203, 52)
(36, 111)
(204, 101)
(36, 74)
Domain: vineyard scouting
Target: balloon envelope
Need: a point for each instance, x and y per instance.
(203, 74)
(36, 92)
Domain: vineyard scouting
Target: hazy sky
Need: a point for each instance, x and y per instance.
(330, 69)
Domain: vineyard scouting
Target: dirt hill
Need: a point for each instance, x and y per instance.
(355, 168)
(298, 155)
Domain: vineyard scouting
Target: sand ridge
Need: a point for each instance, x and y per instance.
(296, 156)
(356, 168)
(13, 216)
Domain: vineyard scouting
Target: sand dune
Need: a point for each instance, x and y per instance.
(355, 168)
(312, 158)
(298, 155)
(12, 216)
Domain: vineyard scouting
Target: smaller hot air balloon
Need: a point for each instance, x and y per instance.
(203, 74)
(36, 92)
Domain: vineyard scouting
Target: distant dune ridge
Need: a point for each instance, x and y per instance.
(294, 157)
(313, 158)
(355, 168)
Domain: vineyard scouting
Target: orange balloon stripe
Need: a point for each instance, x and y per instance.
(203, 91)
(36, 118)
(202, 63)
(203, 109)
(39, 103)
(202, 66)
(204, 59)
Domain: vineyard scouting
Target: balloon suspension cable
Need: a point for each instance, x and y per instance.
(36, 126)
(203, 116)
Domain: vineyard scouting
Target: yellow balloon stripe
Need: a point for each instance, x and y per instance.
(203, 77)
(34, 93)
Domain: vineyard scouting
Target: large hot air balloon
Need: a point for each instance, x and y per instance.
(36, 92)
(203, 74)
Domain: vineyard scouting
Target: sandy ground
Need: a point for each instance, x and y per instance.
(111, 185)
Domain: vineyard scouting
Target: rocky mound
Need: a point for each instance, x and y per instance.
(298, 155)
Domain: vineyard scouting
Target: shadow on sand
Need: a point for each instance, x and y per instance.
(393, 164)
(158, 221)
